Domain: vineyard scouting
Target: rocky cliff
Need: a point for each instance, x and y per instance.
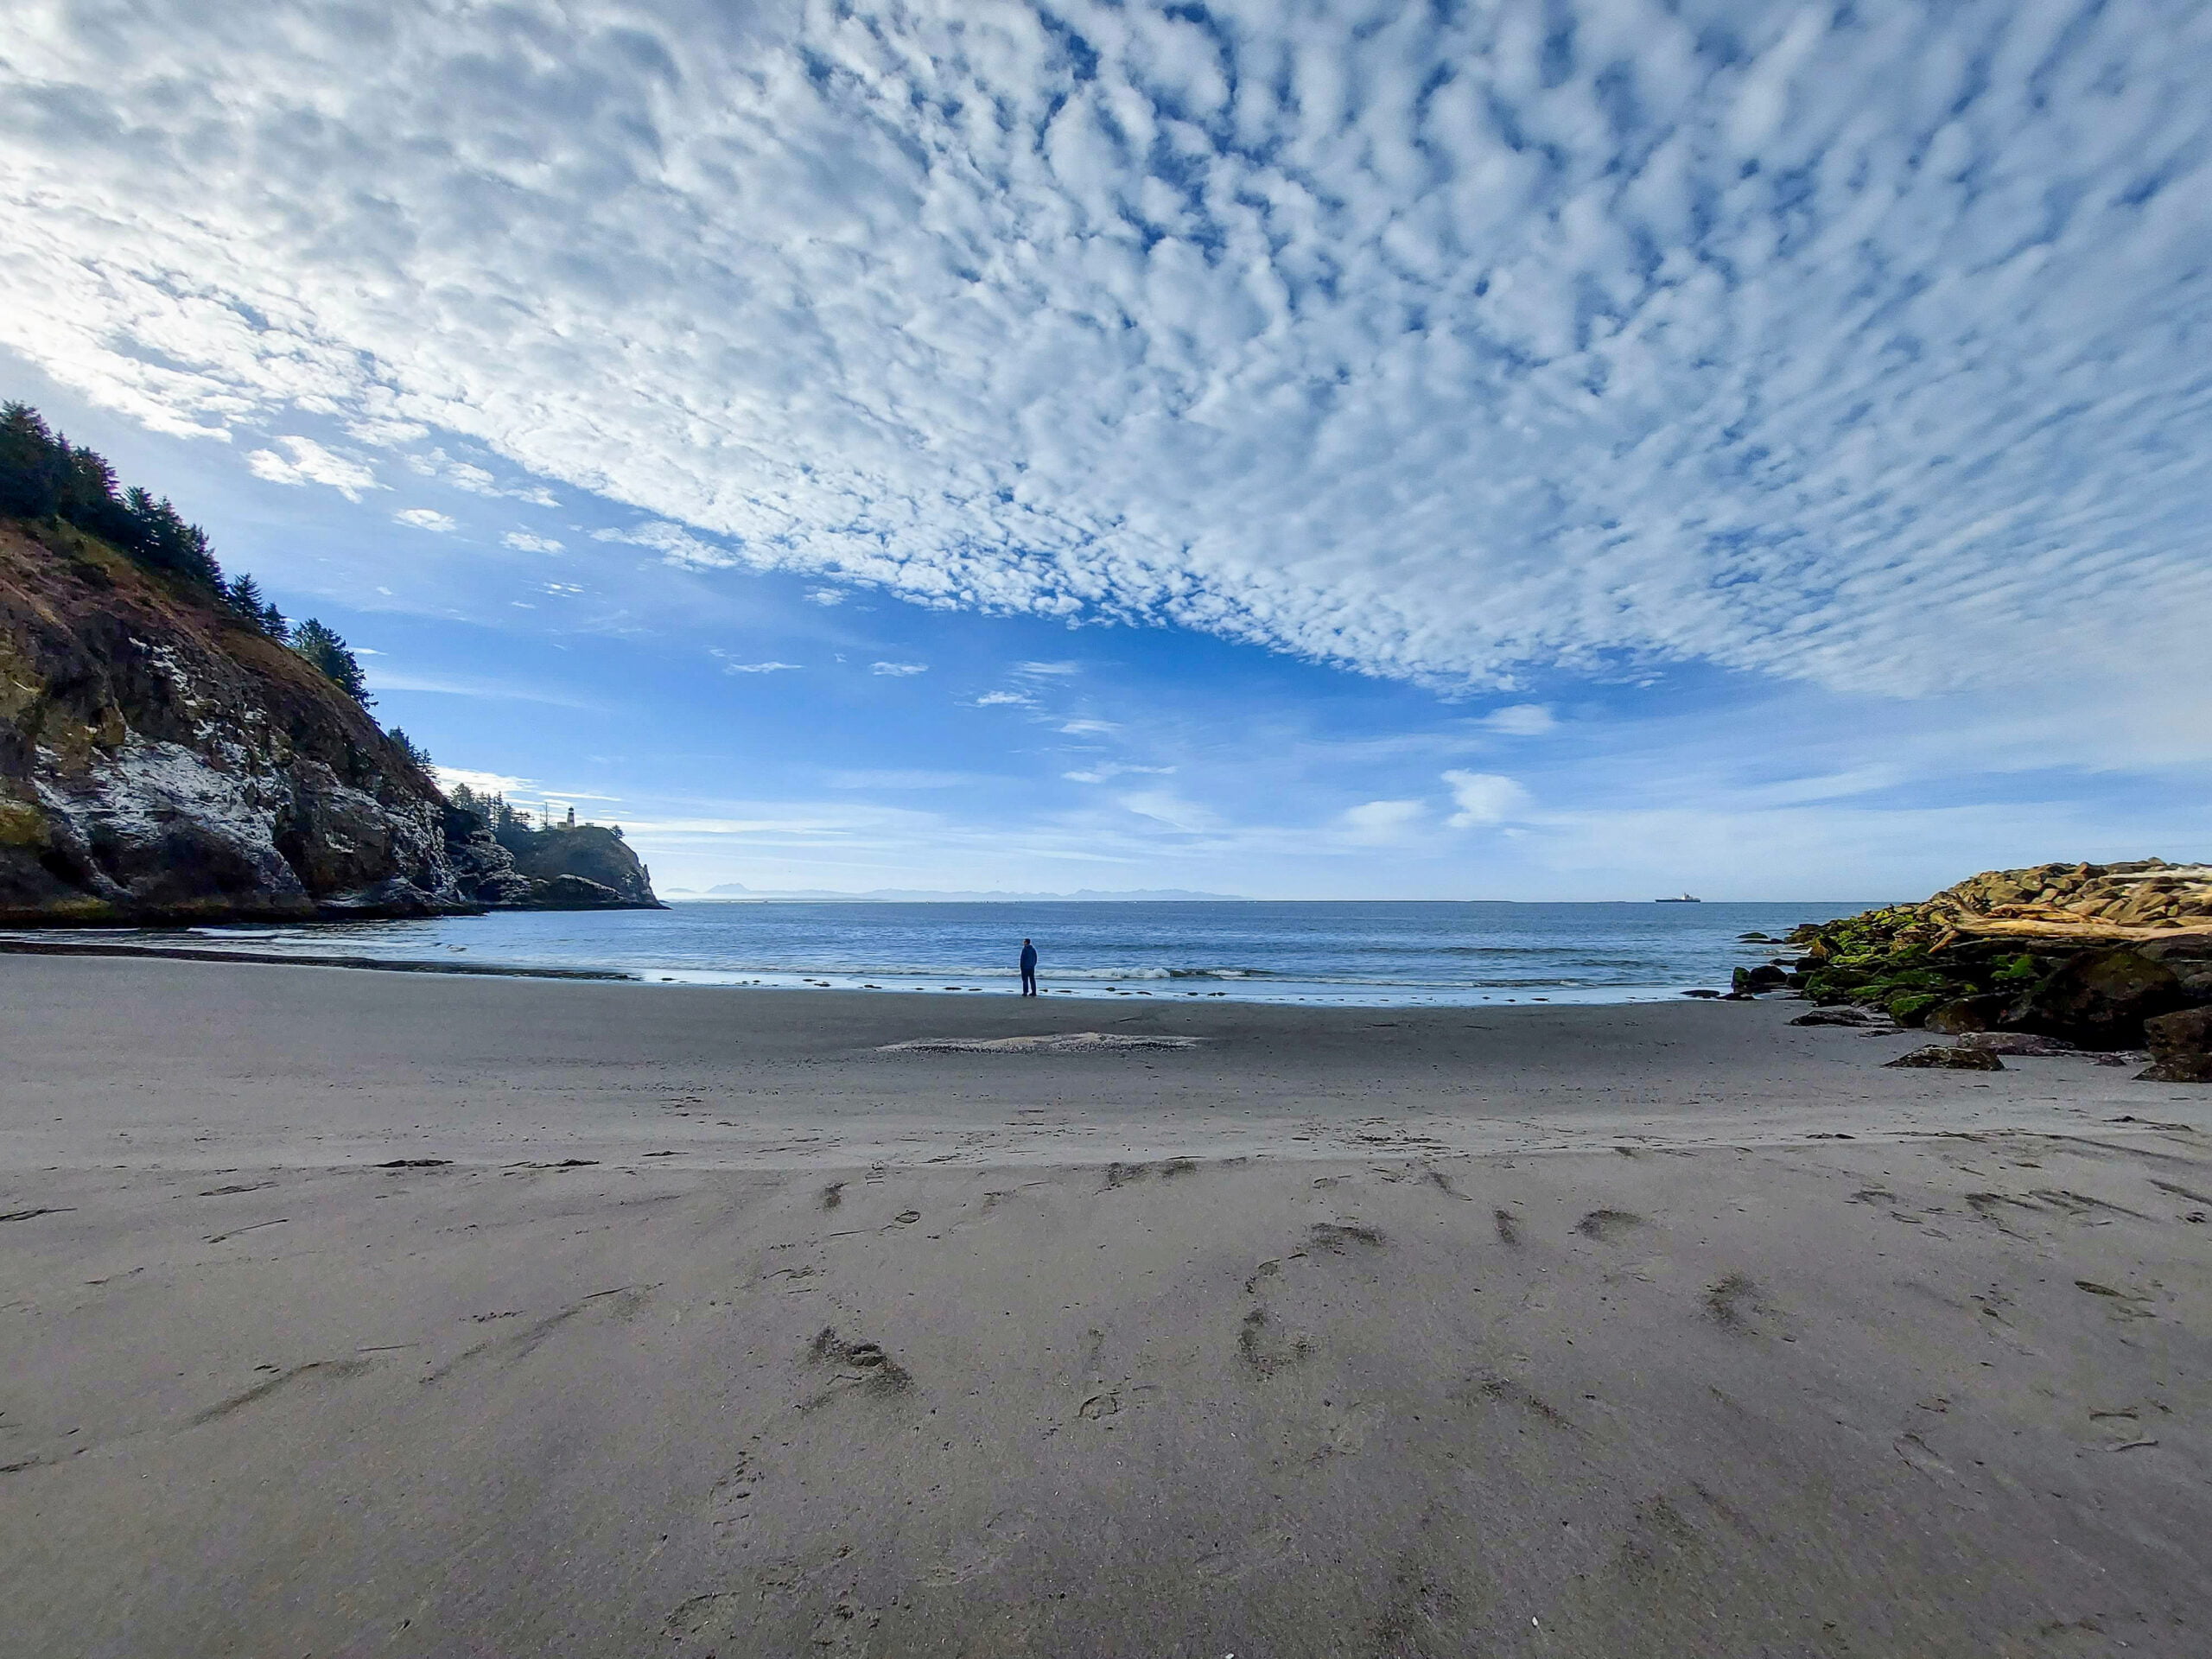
(580, 859)
(2100, 955)
(161, 761)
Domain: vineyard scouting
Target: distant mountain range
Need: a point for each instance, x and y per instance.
(737, 890)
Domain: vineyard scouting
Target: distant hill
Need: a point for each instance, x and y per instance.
(737, 890)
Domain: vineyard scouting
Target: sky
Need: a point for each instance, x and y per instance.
(1538, 449)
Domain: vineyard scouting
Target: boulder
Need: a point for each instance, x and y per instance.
(2102, 999)
(2181, 1047)
(1767, 977)
(1936, 1057)
(1969, 1014)
(2016, 1042)
(1846, 1015)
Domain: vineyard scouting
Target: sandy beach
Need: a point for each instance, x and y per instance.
(354, 1313)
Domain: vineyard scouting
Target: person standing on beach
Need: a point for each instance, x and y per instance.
(1028, 969)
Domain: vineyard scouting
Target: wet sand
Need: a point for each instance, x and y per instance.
(715, 1329)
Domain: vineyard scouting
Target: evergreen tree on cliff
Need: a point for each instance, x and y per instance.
(322, 646)
(43, 475)
(30, 464)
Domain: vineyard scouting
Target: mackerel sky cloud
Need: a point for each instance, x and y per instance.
(1489, 350)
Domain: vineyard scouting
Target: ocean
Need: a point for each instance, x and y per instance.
(1373, 954)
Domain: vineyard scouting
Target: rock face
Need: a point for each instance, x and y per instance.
(2085, 953)
(588, 862)
(160, 761)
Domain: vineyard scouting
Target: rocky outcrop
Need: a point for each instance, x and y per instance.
(578, 866)
(2141, 899)
(2083, 953)
(161, 761)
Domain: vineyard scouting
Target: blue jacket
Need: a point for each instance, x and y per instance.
(1028, 958)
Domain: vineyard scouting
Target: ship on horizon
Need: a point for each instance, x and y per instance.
(1680, 898)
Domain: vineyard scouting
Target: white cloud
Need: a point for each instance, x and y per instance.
(1109, 771)
(1379, 822)
(759, 668)
(899, 669)
(1484, 797)
(308, 462)
(676, 545)
(462, 475)
(825, 595)
(382, 680)
(522, 541)
(1850, 344)
(484, 783)
(426, 519)
(1005, 700)
(1521, 720)
(386, 434)
(476, 480)
(1047, 670)
(1088, 727)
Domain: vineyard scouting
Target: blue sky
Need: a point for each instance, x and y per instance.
(1543, 450)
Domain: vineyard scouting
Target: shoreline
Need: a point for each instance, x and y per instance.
(1289, 993)
(398, 965)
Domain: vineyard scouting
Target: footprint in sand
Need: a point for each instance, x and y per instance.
(1337, 1239)
(730, 1506)
(1491, 1388)
(1736, 1303)
(859, 1367)
(1267, 1351)
(1608, 1225)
